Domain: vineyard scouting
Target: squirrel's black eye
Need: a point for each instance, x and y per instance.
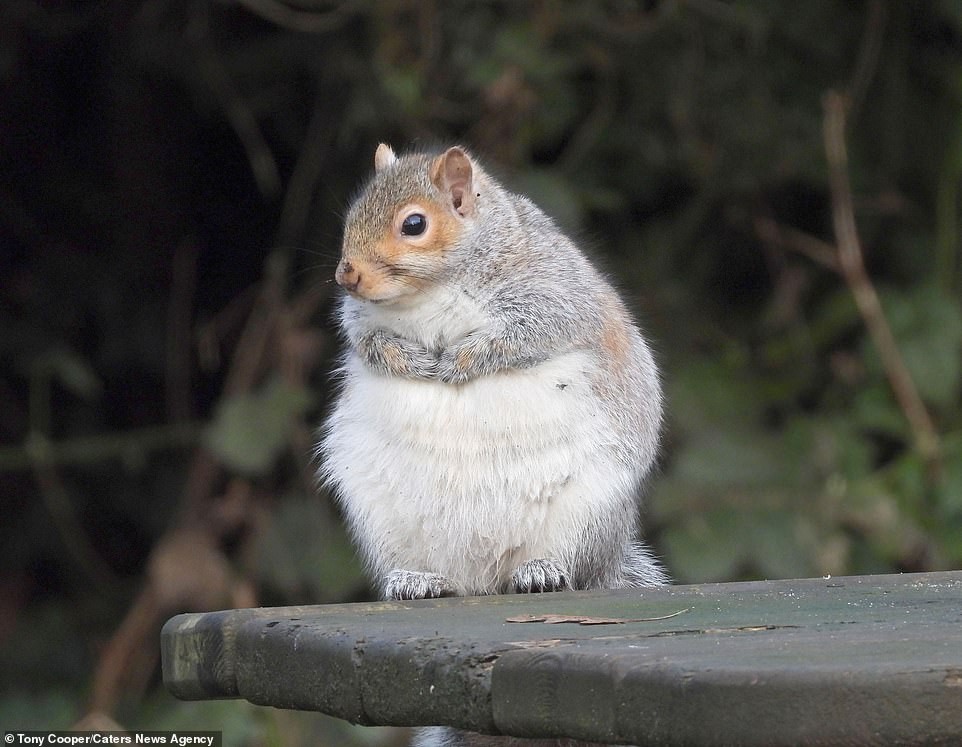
(414, 225)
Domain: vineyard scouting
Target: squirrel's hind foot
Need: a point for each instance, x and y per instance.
(401, 584)
(538, 575)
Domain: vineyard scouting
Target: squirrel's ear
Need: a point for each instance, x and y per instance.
(452, 174)
(383, 157)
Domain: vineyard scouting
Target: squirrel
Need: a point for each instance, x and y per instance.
(498, 409)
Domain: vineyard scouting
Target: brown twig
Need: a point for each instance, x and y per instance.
(236, 108)
(247, 364)
(785, 237)
(121, 650)
(132, 445)
(852, 267)
(296, 19)
(52, 22)
(868, 57)
(231, 318)
(194, 536)
(67, 522)
(179, 311)
(603, 111)
(188, 568)
(306, 175)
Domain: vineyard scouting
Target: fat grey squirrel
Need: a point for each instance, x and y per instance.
(498, 409)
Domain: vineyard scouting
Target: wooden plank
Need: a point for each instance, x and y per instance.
(851, 660)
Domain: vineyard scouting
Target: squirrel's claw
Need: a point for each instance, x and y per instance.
(400, 584)
(538, 575)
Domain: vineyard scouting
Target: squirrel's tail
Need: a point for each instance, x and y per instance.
(640, 568)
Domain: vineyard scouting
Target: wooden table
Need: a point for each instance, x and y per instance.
(848, 660)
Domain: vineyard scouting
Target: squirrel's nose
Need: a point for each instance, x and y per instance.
(347, 276)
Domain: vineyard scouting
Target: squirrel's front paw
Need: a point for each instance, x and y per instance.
(390, 354)
(466, 360)
(539, 574)
(416, 585)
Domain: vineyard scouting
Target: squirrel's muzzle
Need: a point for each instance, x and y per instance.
(347, 276)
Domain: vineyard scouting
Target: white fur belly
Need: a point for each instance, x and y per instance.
(469, 481)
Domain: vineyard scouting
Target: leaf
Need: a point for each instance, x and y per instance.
(72, 371)
(927, 325)
(703, 547)
(583, 620)
(405, 85)
(887, 509)
(949, 491)
(782, 544)
(305, 554)
(555, 195)
(49, 708)
(834, 317)
(716, 545)
(711, 392)
(249, 432)
(820, 448)
(875, 408)
(731, 457)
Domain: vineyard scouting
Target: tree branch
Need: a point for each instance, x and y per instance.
(295, 19)
(130, 445)
(852, 267)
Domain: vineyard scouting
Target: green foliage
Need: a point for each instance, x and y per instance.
(250, 431)
(70, 370)
(305, 554)
(662, 134)
(721, 543)
(927, 324)
(53, 709)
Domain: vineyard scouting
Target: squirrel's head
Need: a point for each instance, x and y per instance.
(400, 231)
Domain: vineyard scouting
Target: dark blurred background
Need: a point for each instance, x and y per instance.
(173, 175)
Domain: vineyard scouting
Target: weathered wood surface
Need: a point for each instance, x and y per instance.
(849, 660)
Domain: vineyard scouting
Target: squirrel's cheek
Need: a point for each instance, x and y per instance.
(375, 287)
(377, 281)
